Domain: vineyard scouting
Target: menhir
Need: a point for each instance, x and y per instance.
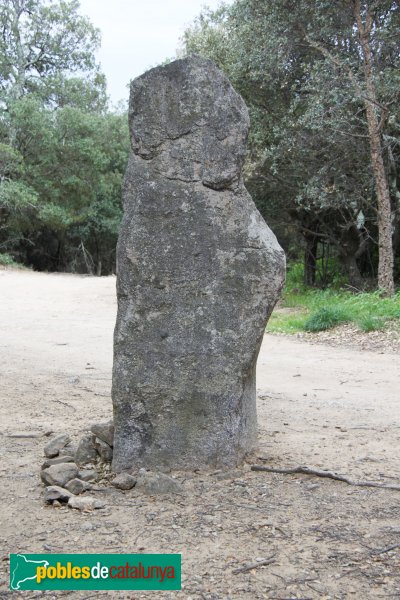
(199, 273)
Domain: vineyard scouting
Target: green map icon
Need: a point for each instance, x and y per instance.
(23, 570)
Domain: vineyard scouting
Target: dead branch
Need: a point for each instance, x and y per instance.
(387, 549)
(64, 403)
(254, 565)
(324, 473)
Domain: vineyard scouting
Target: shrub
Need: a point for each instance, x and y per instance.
(325, 318)
(371, 323)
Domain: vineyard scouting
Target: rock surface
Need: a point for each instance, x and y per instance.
(57, 460)
(59, 474)
(53, 447)
(68, 450)
(87, 474)
(155, 484)
(86, 452)
(199, 273)
(85, 503)
(124, 481)
(77, 486)
(104, 450)
(104, 431)
(54, 493)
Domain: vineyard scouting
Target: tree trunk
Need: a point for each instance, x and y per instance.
(310, 260)
(386, 261)
(350, 264)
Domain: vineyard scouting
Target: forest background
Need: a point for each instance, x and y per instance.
(322, 83)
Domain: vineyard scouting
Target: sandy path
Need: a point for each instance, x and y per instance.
(320, 406)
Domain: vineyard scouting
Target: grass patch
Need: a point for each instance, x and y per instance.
(287, 323)
(306, 309)
(371, 323)
(325, 318)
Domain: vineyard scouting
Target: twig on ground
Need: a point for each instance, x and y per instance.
(324, 473)
(387, 549)
(64, 403)
(249, 567)
(290, 598)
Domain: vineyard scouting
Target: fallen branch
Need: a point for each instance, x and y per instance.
(328, 474)
(387, 549)
(64, 403)
(249, 567)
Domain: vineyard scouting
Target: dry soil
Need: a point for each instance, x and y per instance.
(319, 406)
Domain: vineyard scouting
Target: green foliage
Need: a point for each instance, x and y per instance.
(288, 322)
(62, 152)
(294, 276)
(304, 309)
(6, 260)
(41, 42)
(17, 207)
(371, 323)
(299, 67)
(325, 318)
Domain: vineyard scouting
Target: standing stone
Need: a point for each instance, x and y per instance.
(199, 273)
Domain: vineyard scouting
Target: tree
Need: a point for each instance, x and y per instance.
(62, 153)
(370, 18)
(39, 42)
(73, 160)
(17, 199)
(300, 67)
(365, 31)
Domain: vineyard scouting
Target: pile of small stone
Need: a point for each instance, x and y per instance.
(70, 471)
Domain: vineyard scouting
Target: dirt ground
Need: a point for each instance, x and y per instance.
(320, 406)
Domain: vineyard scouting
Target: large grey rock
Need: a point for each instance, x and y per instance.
(59, 474)
(68, 450)
(199, 273)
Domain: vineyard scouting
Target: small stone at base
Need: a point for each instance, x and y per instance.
(85, 503)
(57, 460)
(53, 447)
(86, 452)
(104, 431)
(59, 474)
(87, 474)
(157, 483)
(77, 486)
(56, 493)
(103, 449)
(124, 481)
